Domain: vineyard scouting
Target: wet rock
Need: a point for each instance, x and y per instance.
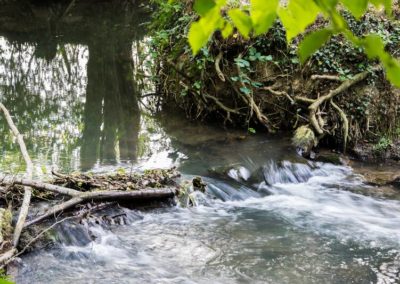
(199, 184)
(331, 157)
(369, 152)
(395, 182)
(378, 175)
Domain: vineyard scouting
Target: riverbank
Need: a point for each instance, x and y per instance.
(338, 99)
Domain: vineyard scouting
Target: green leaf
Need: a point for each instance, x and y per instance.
(356, 7)
(297, 16)
(327, 5)
(6, 281)
(263, 14)
(227, 30)
(245, 90)
(392, 68)
(242, 21)
(198, 37)
(201, 31)
(251, 130)
(312, 42)
(375, 48)
(202, 7)
(385, 3)
(373, 45)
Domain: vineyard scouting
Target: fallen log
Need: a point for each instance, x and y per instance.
(145, 194)
(78, 197)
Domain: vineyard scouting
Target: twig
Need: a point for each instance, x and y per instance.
(325, 77)
(40, 185)
(280, 93)
(221, 105)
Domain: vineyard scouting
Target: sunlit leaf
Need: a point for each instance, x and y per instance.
(241, 20)
(297, 16)
(202, 7)
(392, 67)
(373, 46)
(356, 7)
(263, 14)
(227, 30)
(387, 4)
(201, 31)
(198, 37)
(312, 42)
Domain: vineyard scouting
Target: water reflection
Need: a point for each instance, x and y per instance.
(67, 76)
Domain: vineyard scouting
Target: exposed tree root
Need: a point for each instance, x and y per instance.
(316, 104)
(280, 93)
(344, 86)
(217, 67)
(249, 100)
(345, 126)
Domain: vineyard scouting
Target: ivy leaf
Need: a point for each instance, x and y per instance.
(356, 7)
(242, 21)
(245, 90)
(263, 14)
(312, 42)
(297, 16)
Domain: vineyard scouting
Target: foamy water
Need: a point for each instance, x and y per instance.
(301, 224)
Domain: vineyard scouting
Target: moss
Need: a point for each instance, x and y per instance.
(5, 223)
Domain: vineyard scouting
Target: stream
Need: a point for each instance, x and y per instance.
(72, 77)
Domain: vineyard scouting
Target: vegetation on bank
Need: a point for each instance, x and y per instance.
(339, 94)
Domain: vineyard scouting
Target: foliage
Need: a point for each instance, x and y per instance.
(383, 144)
(258, 66)
(259, 16)
(4, 279)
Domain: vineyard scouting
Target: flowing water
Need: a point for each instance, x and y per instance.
(69, 76)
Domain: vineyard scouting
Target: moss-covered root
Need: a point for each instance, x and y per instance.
(304, 139)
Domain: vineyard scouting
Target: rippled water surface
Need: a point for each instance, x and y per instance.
(72, 76)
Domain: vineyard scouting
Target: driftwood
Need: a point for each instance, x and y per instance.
(96, 195)
(162, 193)
(153, 184)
